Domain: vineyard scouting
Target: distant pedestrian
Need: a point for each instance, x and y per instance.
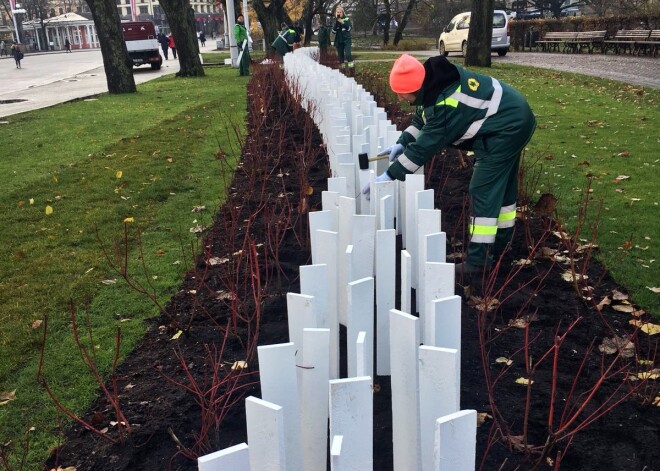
(170, 41)
(202, 38)
(324, 37)
(164, 44)
(242, 41)
(18, 55)
(67, 45)
(3, 48)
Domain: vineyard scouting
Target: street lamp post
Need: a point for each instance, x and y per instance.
(16, 10)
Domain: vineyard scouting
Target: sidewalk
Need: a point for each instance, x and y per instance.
(49, 78)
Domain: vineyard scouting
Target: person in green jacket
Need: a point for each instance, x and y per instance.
(285, 41)
(342, 30)
(324, 37)
(242, 41)
(460, 108)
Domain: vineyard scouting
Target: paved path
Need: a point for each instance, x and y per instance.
(644, 71)
(49, 78)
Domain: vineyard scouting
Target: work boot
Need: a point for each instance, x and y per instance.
(467, 269)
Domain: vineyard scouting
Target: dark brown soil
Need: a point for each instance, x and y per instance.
(269, 201)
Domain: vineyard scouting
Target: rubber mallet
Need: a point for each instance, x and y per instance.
(364, 159)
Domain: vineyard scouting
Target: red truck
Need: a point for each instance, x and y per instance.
(142, 44)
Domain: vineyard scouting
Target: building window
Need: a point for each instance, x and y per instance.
(144, 10)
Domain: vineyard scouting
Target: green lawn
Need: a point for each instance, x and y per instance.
(75, 173)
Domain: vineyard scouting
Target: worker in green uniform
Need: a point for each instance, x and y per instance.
(324, 37)
(285, 41)
(457, 107)
(342, 30)
(242, 41)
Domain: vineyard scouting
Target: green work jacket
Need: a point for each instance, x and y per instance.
(284, 41)
(240, 34)
(342, 32)
(471, 111)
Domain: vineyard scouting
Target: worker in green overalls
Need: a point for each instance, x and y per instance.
(242, 41)
(324, 37)
(460, 108)
(342, 30)
(285, 41)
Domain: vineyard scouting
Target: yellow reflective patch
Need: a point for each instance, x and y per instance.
(483, 230)
(507, 216)
(473, 84)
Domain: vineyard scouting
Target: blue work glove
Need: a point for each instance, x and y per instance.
(394, 151)
(385, 177)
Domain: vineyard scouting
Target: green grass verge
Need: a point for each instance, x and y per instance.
(605, 129)
(150, 156)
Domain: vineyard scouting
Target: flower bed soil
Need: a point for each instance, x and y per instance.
(282, 175)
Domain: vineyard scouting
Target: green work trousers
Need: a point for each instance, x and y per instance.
(494, 190)
(344, 53)
(244, 64)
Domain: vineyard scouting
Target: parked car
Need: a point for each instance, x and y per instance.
(454, 37)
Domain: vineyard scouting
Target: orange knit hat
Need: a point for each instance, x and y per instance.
(407, 75)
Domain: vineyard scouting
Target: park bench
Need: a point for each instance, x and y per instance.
(589, 40)
(626, 39)
(554, 40)
(650, 45)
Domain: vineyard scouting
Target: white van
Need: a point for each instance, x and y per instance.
(454, 37)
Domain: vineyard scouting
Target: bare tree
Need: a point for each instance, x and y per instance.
(481, 33)
(118, 65)
(181, 18)
(404, 21)
(271, 14)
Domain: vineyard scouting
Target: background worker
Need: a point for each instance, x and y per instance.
(457, 107)
(342, 30)
(286, 41)
(324, 37)
(243, 42)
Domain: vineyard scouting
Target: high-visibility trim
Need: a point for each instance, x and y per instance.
(483, 230)
(351, 65)
(408, 164)
(493, 106)
(413, 131)
(451, 100)
(482, 239)
(507, 217)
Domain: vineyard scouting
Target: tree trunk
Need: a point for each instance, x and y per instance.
(116, 62)
(270, 17)
(181, 18)
(480, 34)
(388, 18)
(404, 21)
(308, 15)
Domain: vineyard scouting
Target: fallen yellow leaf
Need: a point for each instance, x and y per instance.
(482, 417)
(177, 335)
(5, 397)
(118, 174)
(31, 200)
(648, 328)
(504, 360)
(129, 220)
(36, 324)
(49, 210)
(239, 365)
(524, 381)
(651, 374)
